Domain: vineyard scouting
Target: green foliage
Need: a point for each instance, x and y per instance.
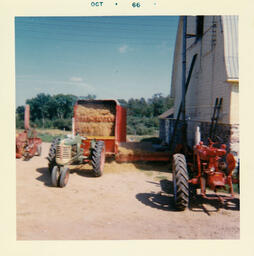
(20, 111)
(63, 124)
(88, 97)
(19, 123)
(142, 115)
(44, 107)
(56, 111)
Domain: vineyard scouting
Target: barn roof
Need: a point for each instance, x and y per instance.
(167, 113)
(230, 29)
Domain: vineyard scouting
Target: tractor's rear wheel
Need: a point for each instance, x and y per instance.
(52, 154)
(98, 158)
(55, 176)
(180, 181)
(64, 176)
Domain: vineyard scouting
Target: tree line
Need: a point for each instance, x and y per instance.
(56, 111)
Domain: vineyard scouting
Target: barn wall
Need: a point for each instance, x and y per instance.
(208, 81)
(209, 77)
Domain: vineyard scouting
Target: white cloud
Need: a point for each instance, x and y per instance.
(123, 48)
(76, 79)
(78, 82)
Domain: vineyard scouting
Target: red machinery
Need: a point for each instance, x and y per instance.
(107, 124)
(211, 167)
(27, 142)
(90, 125)
(99, 130)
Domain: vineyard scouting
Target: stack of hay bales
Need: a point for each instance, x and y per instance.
(95, 119)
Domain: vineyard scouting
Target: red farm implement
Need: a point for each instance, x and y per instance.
(210, 167)
(105, 120)
(27, 142)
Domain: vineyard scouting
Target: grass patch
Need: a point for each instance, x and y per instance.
(138, 138)
(46, 137)
(235, 189)
(53, 132)
(161, 177)
(148, 173)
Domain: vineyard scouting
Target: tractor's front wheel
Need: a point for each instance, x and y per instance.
(98, 158)
(52, 155)
(64, 176)
(55, 176)
(180, 181)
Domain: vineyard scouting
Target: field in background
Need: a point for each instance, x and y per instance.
(48, 135)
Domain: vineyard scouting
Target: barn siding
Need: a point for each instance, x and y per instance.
(210, 77)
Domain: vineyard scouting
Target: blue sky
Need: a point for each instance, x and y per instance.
(112, 57)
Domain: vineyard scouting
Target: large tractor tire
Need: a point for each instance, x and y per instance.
(64, 176)
(180, 180)
(52, 155)
(98, 158)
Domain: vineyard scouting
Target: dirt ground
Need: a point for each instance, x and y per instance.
(130, 201)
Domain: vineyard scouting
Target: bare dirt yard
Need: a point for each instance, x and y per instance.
(130, 201)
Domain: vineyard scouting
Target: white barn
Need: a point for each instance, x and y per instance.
(215, 75)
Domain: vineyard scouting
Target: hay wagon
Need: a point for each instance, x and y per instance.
(98, 132)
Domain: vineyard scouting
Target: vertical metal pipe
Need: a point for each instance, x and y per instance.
(184, 128)
(27, 117)
(184, 66)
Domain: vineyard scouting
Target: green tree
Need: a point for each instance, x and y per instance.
(56, 111)
(20, 111)
(39, 107)
(88, 97)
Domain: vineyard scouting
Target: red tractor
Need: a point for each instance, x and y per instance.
(27, 142)
(211, 167)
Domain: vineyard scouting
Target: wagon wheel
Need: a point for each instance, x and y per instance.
(26, 156)
(64, 176)
(55, 175)
(98, 158)
(38, 150)
(180, 181)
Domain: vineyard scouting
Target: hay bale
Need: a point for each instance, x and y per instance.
(95, 119)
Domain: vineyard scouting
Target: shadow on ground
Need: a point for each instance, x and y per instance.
(84, 173)
(200, 204)
(157, 200)
(46, 178)
(164, 200)
(153, 166)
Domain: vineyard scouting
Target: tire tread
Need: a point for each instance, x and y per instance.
(181, 177)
